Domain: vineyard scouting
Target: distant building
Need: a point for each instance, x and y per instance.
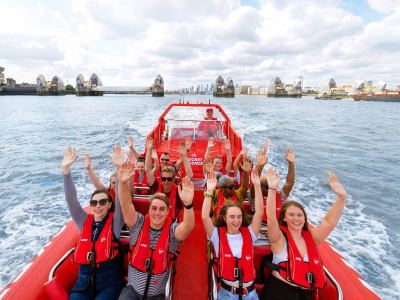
(224, 89)
(2, 80)
(10, 82)
(244, 89)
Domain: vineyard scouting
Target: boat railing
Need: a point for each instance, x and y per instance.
(61, 260)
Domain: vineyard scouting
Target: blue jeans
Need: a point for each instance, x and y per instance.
(223, 294)
(109, 282)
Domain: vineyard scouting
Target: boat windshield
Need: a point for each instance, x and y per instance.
(189, 121)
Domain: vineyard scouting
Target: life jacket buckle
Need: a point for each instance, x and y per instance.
(89, 256)
(310, 277)
(147, 264)
(236, 272)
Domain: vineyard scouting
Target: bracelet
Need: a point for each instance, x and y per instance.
(207, 195)
(272, 189)
(188, 206)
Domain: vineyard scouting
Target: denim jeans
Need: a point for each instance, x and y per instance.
(129, 293)
(223, 294)
(109, 282)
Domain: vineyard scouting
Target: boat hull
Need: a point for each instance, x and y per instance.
(381, 98)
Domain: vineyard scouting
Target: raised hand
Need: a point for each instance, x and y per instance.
(247, 164)
(130, 142)
(182, 149)
(262, 158)
(188, 143)
(255, 179)
(126, 171)
(69, 158)
(131, 157)
(154, 155)
(273, 178)
(337, 188)
(87, 162)
(227, 145)
(118, 157)
(211, 182)
(244, 151)
(186, 192)
(208, 166)
(290, 155)
(149, 143)
(266, 146)
(211, 143)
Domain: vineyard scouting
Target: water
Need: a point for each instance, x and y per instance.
(359, 141)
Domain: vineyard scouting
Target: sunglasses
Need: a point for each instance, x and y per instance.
(231, 187)
(167, 178)
(164, 159)
(102, 202)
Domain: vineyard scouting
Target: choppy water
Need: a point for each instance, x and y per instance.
(359, 141)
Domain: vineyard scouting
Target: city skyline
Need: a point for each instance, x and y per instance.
(192, 43)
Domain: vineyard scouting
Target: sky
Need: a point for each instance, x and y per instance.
(188, 42)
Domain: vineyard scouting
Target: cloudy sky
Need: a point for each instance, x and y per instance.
(190, 41)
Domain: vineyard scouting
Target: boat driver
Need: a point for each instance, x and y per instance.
(209, 127)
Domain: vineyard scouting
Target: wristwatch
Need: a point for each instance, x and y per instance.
(188, 206)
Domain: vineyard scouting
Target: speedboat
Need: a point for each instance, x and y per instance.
(51, 274)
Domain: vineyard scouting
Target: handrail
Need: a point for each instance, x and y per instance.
(55, 267)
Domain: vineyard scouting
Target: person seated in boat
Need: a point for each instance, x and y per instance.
(215, 164)
(139, 185)
(100, 274)
(297, 267)
(165, 158)
(96, 181)
(209, 127)
(281, 195)
(226, 190)
(153, 238)
(233, 236)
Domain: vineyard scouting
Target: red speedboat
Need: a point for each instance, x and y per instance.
(51, 274)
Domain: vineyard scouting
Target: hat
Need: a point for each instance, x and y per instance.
(209, 109)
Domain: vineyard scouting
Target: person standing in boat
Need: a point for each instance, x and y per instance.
(153, 238)
(281, 195)
(100, 275)
(166, 183)
(96, 181)
(297, 266)
(233, 236)
(216, 161)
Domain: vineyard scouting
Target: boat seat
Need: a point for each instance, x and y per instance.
(246, 207)
(54, 290)
(141, 204)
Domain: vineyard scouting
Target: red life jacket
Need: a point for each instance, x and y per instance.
(221, 200)
(209, 126)
(106, 247)
(141, 257)
(228, 263)
(143, 184)
(278, 206)
(172, 199)
(296, 270)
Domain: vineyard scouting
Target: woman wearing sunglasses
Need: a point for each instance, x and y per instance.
(233, 235)
(100, 274)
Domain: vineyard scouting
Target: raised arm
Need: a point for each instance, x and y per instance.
(289, 155)
(75, 209)
(188, 145)
(274, 233)
(228, 166)
(259, 207)
(246, 168)
(210, 145)
(262, 158)
(183, 154)
(154, 157)
(132, 149)
(147, 164)
(186, 193)
(125, 173)
(205, 211)
(92, 176)
(237, 159)
(321, 232)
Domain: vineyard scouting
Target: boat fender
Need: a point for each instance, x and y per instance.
(54, 290)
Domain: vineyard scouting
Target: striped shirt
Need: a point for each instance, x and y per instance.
(136, 278)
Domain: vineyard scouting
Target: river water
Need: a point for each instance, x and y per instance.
(358, 141)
